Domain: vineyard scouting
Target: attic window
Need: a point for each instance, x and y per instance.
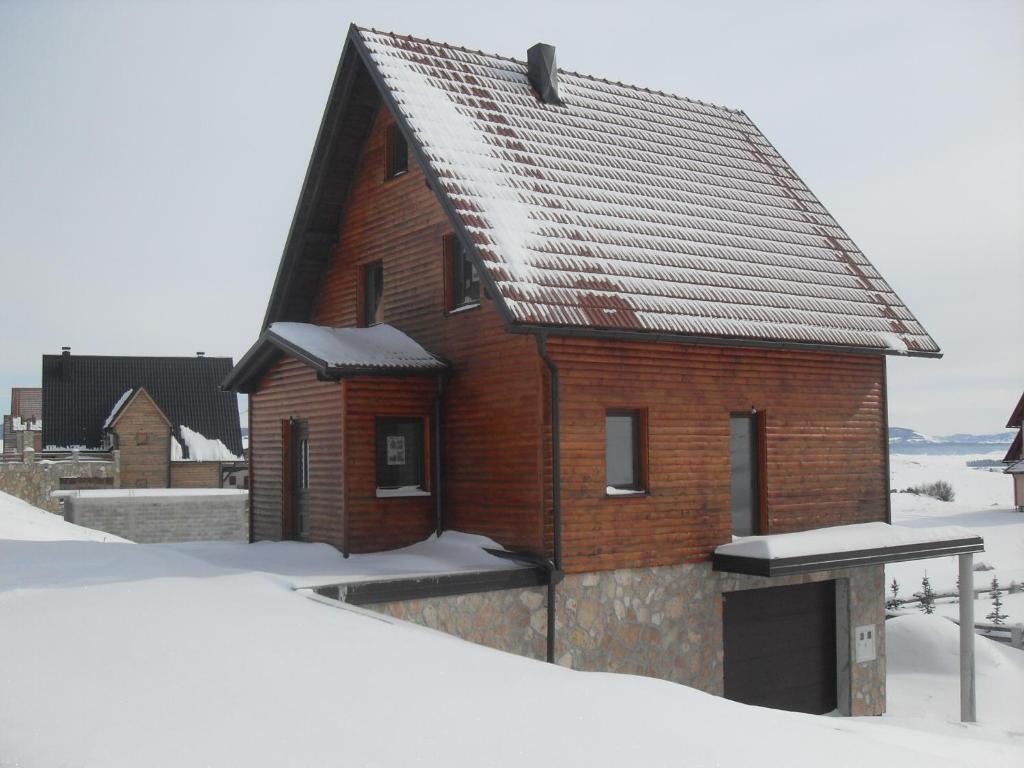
(373, 293)
(397, 152)
(463, 278)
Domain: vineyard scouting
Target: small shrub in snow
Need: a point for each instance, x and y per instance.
(927, 596)
(940, 490)
(894, 601)
(980, 566)
(1014, 588)
(997, 616)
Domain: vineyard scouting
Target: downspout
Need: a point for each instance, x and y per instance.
(438, 497)
(555, 574)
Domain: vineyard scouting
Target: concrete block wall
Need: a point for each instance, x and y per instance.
(157, 517)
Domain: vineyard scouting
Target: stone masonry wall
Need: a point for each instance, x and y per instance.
(663, 622)
(33, 481)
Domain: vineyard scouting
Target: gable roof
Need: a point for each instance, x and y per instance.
(333, 352)
(121, 407)
(619, 210)
(1017, 416)
(81, 391)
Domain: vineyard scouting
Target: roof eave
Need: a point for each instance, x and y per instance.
(711, 341)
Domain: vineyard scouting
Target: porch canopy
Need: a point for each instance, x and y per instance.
(843, 546)
(380, 350)
(849, 546)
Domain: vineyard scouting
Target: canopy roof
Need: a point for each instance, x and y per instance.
(334, 353)
(842, 546)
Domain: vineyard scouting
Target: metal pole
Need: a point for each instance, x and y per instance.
(968, 701)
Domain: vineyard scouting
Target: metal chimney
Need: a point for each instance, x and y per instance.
(543, 72)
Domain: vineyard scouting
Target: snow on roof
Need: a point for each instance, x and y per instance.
(379, 346)
(21, 425)
(202, 448)
(117, 407)
(629, 209)
(838, 539)
(1017, 468)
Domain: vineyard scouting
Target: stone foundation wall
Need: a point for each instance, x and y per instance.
(33, 481)
(661, 622)
(513, 620)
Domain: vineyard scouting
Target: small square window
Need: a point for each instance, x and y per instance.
(623, 452)
(141, 438)
(464, 279)
(397, 152)
(400, 453)
(373, 293)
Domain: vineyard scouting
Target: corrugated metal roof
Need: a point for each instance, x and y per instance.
(629, 209)
(381, 347)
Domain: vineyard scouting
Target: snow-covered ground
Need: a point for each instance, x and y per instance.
(118, 654)
(983, 504)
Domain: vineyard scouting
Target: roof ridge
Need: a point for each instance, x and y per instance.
(574, 73)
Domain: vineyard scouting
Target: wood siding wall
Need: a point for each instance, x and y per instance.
(195, 474)
(290, 390)
(376, 524)
(144, 439)
(824, 445)
(493, 400)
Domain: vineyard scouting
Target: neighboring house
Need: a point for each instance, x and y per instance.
(1015, 456)
(607, 327)
(22, 427)
(166, 416)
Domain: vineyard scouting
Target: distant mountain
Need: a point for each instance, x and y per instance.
(903, 436)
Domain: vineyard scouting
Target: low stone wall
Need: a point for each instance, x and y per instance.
(661, 622)
(34, 481)
(155, 517)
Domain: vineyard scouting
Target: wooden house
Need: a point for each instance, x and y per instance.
(166, 416)
(1015, 454)
(607, 327)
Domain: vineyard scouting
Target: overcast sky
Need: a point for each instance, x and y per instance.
(151, 156)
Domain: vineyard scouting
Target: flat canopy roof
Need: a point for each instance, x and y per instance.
(843, 546)
(334, 352)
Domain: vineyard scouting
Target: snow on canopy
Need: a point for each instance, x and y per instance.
(379, 346)
(630, 209)
(840, 538)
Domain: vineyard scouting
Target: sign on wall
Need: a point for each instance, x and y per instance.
(396, 450)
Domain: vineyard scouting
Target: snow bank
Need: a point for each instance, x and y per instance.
(923, 660)
(20, 521)
(129, 655)
(202, 448)
(310, 565)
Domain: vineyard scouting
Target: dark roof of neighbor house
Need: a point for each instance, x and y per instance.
(619, 210)
(1016, 450)
(81, 391)
(333, 353)
(1018, 414)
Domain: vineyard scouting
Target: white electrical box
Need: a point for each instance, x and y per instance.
(864, 643)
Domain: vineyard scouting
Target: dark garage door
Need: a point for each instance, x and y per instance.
(780, 647)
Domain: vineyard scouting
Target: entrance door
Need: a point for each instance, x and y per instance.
(298, 458)
(780, 647)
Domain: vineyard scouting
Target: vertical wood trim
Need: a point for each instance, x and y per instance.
(761, 425)
(346, 453)
(252, 473)
(884, 395)
(287, 511)
(643, 449)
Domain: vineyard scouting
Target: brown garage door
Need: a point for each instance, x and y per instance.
(780, 647)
